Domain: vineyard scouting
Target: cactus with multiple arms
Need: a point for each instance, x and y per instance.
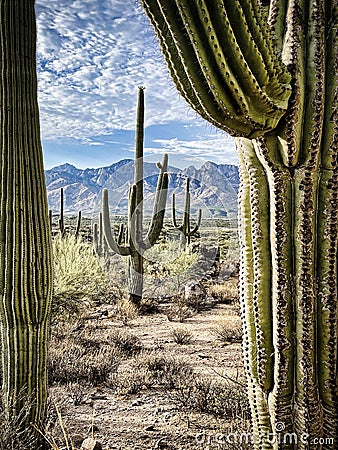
(185, 227)
(25, 245)
(136, 243)
(266, 72)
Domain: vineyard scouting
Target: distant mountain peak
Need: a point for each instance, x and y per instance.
(66, 167)
(213, 185)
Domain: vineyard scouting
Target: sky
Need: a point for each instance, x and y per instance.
(91, 57)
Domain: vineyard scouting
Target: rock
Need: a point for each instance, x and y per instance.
(194, 289)
(91, 444)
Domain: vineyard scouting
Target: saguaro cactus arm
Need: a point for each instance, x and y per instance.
(61, 218)
(159, 205)
(97, 241)
(120, 249)
(62, 221)
(223, 62)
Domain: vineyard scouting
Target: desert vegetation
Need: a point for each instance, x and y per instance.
(109, 352)
(163, 356)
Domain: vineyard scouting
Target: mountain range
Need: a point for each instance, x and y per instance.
(213, 187)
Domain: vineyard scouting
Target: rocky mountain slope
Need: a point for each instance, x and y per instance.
(213, 187)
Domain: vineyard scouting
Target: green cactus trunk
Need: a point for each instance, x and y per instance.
(233, 61)
(25, 245)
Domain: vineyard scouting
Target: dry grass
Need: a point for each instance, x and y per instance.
(151, 370)
(220, 399)
(225, 292)
(15, 434)
(126, 311)
(85, 354)
(228, 330)
(182, 336)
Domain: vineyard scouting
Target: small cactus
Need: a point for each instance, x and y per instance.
(185, 227)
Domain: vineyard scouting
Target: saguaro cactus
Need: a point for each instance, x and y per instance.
(61, 218)
(137, 243)
(25, 244)
(185, 227)
(266, 71)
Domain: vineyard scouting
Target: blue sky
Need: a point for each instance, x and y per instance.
(92, 56)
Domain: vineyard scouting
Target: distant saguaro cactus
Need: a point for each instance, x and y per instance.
(25, 243)
(137, 243)
(185, 228)
(61, 218)
(266, 72)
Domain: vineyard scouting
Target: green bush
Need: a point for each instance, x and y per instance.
(78, 275)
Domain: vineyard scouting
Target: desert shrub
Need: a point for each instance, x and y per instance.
(126, 343)
(148, 306)
(75, 364)
(182, 337)
(167, 269)
(225, 292)
(129, 381)
(13, 436)
(179, 310)
(76, 393)
(228, 330)
(81, 355)
(153, 369)
(165, 371)
(77, 276)
(126, 310)
(220, 399)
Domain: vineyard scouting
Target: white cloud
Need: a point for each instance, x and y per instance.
(218, 148)
(92, 55)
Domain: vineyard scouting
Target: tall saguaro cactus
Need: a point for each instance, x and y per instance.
(25, 245)
(137, 243)
(266, 72)
(185, 227)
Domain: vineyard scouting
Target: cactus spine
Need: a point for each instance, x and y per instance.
(25, 245)
(266, 72)
(136, 243)
(185, 227)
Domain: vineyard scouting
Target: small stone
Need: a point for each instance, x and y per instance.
(91, 444)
